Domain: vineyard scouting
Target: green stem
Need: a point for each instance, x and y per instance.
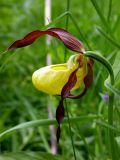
(110, 121)
(111, 39)
(111, 99)
(67, 10)
(68, 14)
(77, 27)
(70, 131)
(109, 10)
(100, 13)
(66, 26)
(67, 20)
(102, 60)
(56, 20)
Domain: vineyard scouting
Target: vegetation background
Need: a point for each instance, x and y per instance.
(97, 25)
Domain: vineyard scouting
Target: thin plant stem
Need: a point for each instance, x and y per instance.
(70, 131)
(109, 10)
(97, 8)
(5, 58)
(111, 101)
(90, 156)
(67, 10)
(65, 54)
(109, 38)
(56, 20)
(68, 14)
(111, 133)
(66, 25)
(77, 27)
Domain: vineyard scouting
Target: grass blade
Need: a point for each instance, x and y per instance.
(100, 14)
(110, 39)
(46, 122)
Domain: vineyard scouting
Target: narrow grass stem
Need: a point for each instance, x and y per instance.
(56, 20)
(67, 10)
(65, 54)
(77, 27)
(111, 101)
(98, 10)
(103, 61)
(110, 121)
(109, 10)
(66, 25)
(70, 131)
(111, 39)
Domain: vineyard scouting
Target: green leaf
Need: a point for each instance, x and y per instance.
(116, 69)
(29, 156)
(109, 38)
(117, 140)
(45, 122)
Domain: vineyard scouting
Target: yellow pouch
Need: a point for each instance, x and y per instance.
(51, 79)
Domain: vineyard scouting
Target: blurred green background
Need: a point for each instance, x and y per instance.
(21, 102)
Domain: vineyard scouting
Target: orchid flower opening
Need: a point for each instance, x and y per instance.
(61, 79)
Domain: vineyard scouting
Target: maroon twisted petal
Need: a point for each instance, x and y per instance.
(69, 40)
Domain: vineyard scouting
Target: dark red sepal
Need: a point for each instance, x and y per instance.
(58, 133)
(59, 117)
(70, 84)
(87, 81)
(60, 112)
(27, 40)
(69, 41)
(77, 96)
(64, 93)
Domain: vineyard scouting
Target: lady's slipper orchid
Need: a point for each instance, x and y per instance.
(61, 79)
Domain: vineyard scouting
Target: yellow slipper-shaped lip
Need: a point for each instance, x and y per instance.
(52, 78)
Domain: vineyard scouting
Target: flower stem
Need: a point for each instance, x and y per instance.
(65, 54)
(66, 26)
(108, 66)
(70, 130)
